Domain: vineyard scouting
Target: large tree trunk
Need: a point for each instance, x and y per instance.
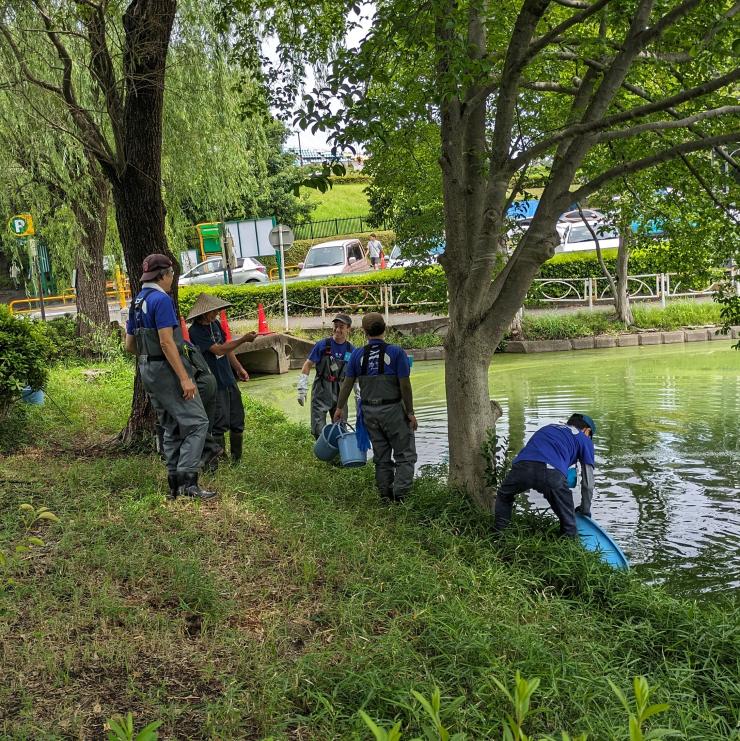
(470, 416)
(137, 193)
(92, 304)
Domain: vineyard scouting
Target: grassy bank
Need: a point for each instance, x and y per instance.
(341, 201)
(296, 600)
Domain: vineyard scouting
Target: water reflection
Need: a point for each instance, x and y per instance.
(667, 479)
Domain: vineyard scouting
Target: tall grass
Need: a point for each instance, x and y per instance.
(297, 599)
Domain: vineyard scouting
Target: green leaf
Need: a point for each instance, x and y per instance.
(33, 540)
(48, 516)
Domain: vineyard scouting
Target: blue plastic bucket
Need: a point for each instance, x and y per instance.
(32, 396)
(572, 477)
(325, 448)
(349, 451)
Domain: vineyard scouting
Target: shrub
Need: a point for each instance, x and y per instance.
(23, 357)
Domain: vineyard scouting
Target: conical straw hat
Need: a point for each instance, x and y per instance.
(204, 303)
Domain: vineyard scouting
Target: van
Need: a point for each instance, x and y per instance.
(334, 258)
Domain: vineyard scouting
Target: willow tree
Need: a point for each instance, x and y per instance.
(105, 63)
(513, 84)
(69, 197)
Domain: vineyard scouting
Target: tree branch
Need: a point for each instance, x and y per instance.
(666, 125)
(642, 164)
(560, 29)
(664, 105)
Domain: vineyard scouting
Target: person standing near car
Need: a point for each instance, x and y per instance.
(375, 251)
(383, 372)
(329, 356)
(153, 334)
(207, 334)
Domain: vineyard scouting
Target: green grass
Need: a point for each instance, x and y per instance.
(339, 202)
(296, 599)
(676, 314)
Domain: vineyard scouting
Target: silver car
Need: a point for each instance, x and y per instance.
(211, 273)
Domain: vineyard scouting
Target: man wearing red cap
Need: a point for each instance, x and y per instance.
(153, 334)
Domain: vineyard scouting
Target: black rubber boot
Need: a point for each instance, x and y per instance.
(174, 483)
(215, 447)
(236, 440)
(189, 487)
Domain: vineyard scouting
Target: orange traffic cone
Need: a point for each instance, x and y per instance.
(382, 260)
(262, 327)
(184, 329)
(225, 325)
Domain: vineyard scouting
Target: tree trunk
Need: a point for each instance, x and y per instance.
(622, 299)
(137, 190)
(471, 416)
(92, 304)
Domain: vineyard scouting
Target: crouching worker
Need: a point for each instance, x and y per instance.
(543, 465)
(383, 372)
(153, 334)
(207, 334)
(329, 356)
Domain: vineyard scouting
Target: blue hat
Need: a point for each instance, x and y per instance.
(590, 423)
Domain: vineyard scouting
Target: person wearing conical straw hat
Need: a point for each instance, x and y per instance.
(207, 335)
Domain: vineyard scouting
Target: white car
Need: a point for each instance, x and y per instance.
(334, 258)
(397, 260)
(211, 273)
(576, 237)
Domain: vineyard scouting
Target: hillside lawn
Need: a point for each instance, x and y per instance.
(296, 599)
(339, 202)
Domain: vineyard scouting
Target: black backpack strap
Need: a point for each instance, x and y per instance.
(137, 305)
(366, 358)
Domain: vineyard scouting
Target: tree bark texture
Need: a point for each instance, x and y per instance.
(136, 174)
(92, 216)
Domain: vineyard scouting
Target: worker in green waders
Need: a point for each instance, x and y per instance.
(387, 407)
(168, 375)
(329, 356)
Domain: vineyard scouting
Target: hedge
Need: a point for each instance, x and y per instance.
(426, 284)
(23, 357)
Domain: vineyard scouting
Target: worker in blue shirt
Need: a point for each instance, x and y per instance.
(543, 465)
(383, 372)
(208, 336)
(329, 356)
(167, 374)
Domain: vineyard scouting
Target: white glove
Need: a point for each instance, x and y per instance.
(356, 389)
(302, 388)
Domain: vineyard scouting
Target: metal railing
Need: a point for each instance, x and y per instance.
(379, 296)
(335, 227)
(647, 286)
(53, 301)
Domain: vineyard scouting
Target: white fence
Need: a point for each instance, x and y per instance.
(590, 292)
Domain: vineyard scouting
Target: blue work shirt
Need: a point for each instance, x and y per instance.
(152, 309)
(338, 351)
(396, 362)
(203, 336)
(560, 446)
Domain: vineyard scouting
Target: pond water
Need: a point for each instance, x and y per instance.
(667, 452)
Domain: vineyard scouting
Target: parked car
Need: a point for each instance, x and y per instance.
(397, 260)
(334, 258)
(576, 237)
(211, 272)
